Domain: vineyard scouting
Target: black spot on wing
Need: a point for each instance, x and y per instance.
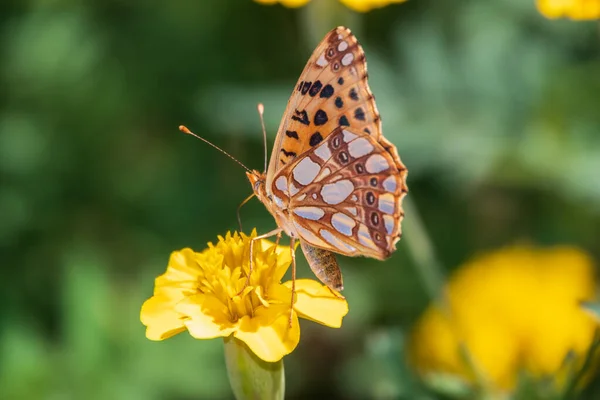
(320, 117)
(353, 94)
(301, 116)
(339, 103)
(343, 157)
(327, 92)
(292, 134)
(315, 139)
(370, 197)
(344, 121)
(288, 153)
(359, 114)
(340, 81)
(315, 88)
(305, 87)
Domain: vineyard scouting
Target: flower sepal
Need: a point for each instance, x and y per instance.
(249, 376)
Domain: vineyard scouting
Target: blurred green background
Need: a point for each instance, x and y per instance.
(494, 109)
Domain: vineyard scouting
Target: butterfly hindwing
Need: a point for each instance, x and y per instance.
(332, 91)
(345, 195)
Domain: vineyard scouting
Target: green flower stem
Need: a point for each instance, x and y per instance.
(250, 377)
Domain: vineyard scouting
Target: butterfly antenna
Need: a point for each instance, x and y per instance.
(185, 130)
(261, 111)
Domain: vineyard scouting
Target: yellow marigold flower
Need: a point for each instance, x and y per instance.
(573, 9)
(356, 5)
(514, 309)
(200, 292)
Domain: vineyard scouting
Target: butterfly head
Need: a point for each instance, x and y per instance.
(257, 180)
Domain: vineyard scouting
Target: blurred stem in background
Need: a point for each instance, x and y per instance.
(430, 269)
(321, 16)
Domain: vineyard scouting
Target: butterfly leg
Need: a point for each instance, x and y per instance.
(251, 263)
(292, 250)
(247, 199)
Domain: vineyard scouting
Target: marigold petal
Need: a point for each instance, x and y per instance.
(206, 316)
(161, 320)
(182, 273)
(318, 303)
(268, 333)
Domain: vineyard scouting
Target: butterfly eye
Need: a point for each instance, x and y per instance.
(257, 184)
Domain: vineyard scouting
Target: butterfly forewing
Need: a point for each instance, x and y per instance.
(332, 91)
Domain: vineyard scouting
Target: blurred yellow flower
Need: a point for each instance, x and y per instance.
(287, 3)
(573, 9)
(199, 292)
(356, 5)
(515, 309)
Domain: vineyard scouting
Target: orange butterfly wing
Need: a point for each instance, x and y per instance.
(332, 91)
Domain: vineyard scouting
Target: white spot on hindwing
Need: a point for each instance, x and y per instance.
(352, 210)
(343, 223)
(323, 152)
(278, 201)
(386, 203)
(388, 221)
(301, 197)
(306, 171)
(354, 198)
(347, 59)
(389, 183)
(293, 189)
(348, 136)
(309, 236)
(376, 163)
(282, 184)
(335, 193)
(360, 147)
(335, 242)
(364, 237)
(325, 172)
(342, 46)
(312, 213)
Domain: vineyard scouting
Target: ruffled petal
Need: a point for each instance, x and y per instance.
(318, 303)
(161, 320)
(206, 316)
(181, 275)
(268, 333)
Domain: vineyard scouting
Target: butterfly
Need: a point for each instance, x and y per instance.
(333, 182)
